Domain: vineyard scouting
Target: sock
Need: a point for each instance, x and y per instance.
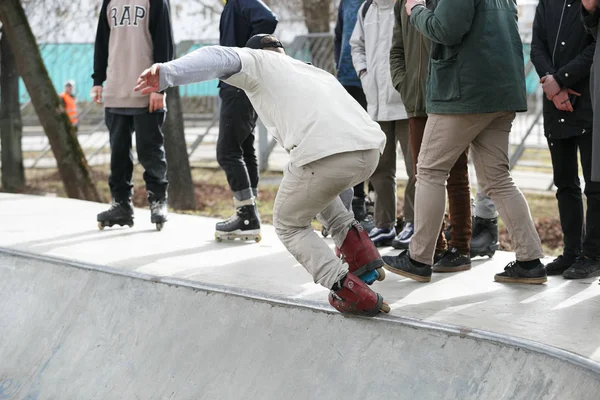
(529, 264)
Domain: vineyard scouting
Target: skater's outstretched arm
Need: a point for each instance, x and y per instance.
(205, 64)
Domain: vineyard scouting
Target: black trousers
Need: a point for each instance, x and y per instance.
(578, 237)
(235, 145)
(359, 95)
(150, 149)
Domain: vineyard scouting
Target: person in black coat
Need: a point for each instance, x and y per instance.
(562, 52)
(240, 20)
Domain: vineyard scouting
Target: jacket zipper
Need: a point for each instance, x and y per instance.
(558, 33)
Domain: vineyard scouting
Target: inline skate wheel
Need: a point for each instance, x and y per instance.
(100, 226)
(159, 226)
(258, 238)
(385, 308)
(218, 238)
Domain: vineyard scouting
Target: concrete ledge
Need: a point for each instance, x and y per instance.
(185, 339)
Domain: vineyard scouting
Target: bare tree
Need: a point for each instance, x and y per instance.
(11, 126)
(181, 186)
(72, 165)
(317, 15)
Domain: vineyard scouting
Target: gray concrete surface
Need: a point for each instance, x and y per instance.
(177, 315)
(70, 332)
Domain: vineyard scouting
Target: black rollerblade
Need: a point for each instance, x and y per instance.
(158, 210)
(244, 225)
(120, 213)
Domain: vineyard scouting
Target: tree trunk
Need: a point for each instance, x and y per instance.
(71, 162)
(11, 126)
(181, 186)
(316, 15)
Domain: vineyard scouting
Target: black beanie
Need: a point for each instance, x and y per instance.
(256, 42)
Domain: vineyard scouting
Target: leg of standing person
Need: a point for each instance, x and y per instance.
(384, 182)
(403, 137)
(588, 264)
(120, 128)
(150, 145)
(457, 257)
(484, 241)
(236, 124)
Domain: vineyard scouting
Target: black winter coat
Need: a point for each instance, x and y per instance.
(563, 48)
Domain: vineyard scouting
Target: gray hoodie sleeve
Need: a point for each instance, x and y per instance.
(205, 64)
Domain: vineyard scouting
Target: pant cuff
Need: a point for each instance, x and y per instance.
(244, 194)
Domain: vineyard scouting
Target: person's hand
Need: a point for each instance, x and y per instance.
(590, 5)
(561, 100)
(411, 3)
(157, 102)
(148, 81)
(96, 94)
(550, 86)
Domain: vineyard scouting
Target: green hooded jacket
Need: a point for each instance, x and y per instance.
(476, 61)
(409, 60)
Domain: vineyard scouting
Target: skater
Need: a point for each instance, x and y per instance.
(333, 145)
(346, 74)
(371, 41)
(565, 76)
(476, 84)
(132, 35)
(240, 20)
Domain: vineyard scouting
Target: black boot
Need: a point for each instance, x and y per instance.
(120, 213)
(484, 241)
(359, 208)
(244, 224)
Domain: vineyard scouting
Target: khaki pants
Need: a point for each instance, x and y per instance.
(446, 137)
(313, 190)
(384, 177)
(459, 193)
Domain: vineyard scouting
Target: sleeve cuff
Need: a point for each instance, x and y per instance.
(163, 83)
(590, 19)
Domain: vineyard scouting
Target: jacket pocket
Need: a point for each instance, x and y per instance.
(444, 82)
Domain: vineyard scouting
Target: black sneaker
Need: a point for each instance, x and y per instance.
(452, 261)
(515, 273)
(403, 265)
(560, 264)
(584, 267)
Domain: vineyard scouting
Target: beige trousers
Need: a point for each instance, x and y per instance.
(313, 190)
(446, 137)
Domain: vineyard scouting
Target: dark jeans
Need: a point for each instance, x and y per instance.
(577, 238)
(459, 193)
(150, 149)
(235, 145)
(359, 95)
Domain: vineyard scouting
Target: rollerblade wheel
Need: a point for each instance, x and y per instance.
(385, 308)
(258, 238)
(130, 224)
(324, 232)
(159, 226)
(381, 273)
(218, 238)
(100, 226)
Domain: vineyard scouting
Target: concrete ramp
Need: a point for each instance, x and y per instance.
(75, 331)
